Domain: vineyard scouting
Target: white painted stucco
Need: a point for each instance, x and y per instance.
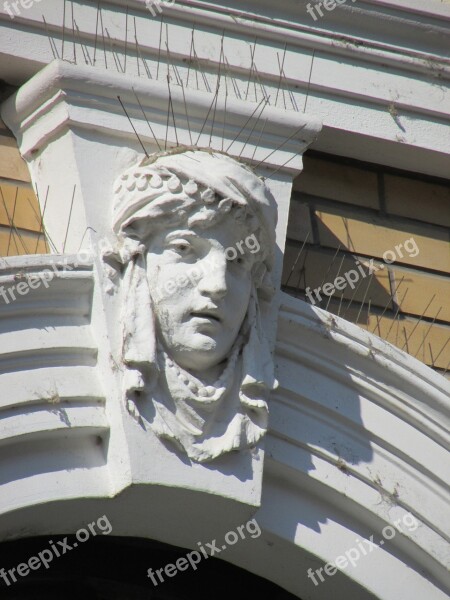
(358, 430)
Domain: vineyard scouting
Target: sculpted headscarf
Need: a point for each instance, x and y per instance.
(160, 192)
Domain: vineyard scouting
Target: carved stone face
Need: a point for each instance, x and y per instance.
(196, 236)
(200, 290)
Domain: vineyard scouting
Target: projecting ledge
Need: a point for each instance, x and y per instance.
(90, 97)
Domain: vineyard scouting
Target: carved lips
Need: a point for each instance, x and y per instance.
(207, 313)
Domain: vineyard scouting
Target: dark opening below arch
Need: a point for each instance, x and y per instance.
(115, 568)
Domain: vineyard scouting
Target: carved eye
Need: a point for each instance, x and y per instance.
(180, 246)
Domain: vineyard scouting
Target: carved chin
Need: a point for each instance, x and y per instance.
(200, 352)
(200, 343)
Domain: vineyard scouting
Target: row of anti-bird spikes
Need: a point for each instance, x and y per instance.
(121, 52)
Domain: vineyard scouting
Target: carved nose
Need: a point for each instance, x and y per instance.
(214, 280)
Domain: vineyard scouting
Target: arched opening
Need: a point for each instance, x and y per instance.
(116, 568)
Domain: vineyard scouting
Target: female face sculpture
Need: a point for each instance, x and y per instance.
(200, 284)
(197, 237)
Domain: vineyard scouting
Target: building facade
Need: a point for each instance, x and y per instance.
(343, 119)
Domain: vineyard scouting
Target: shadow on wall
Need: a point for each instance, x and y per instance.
(330, 277)
(381, 292)
(317, 411)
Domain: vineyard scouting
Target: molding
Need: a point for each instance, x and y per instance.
(52, 408)
(62, 96)
(356, 441)
(434, 8)
(368, 424)
(354, 85)
(358, 434)
(373, 19)
(358, 39)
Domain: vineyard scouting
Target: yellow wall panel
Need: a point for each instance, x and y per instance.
(422, 339)
(338, 182)
(19, 205)
(418, 200)
(14, 243)
(370, 211)
(374, 239)
(318, 269)
(12, 165)
(420, 289)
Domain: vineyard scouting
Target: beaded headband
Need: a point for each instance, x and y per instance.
(191, 176)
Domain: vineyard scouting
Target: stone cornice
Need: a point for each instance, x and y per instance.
(64, 95)
(373, 72)
(365, 24)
